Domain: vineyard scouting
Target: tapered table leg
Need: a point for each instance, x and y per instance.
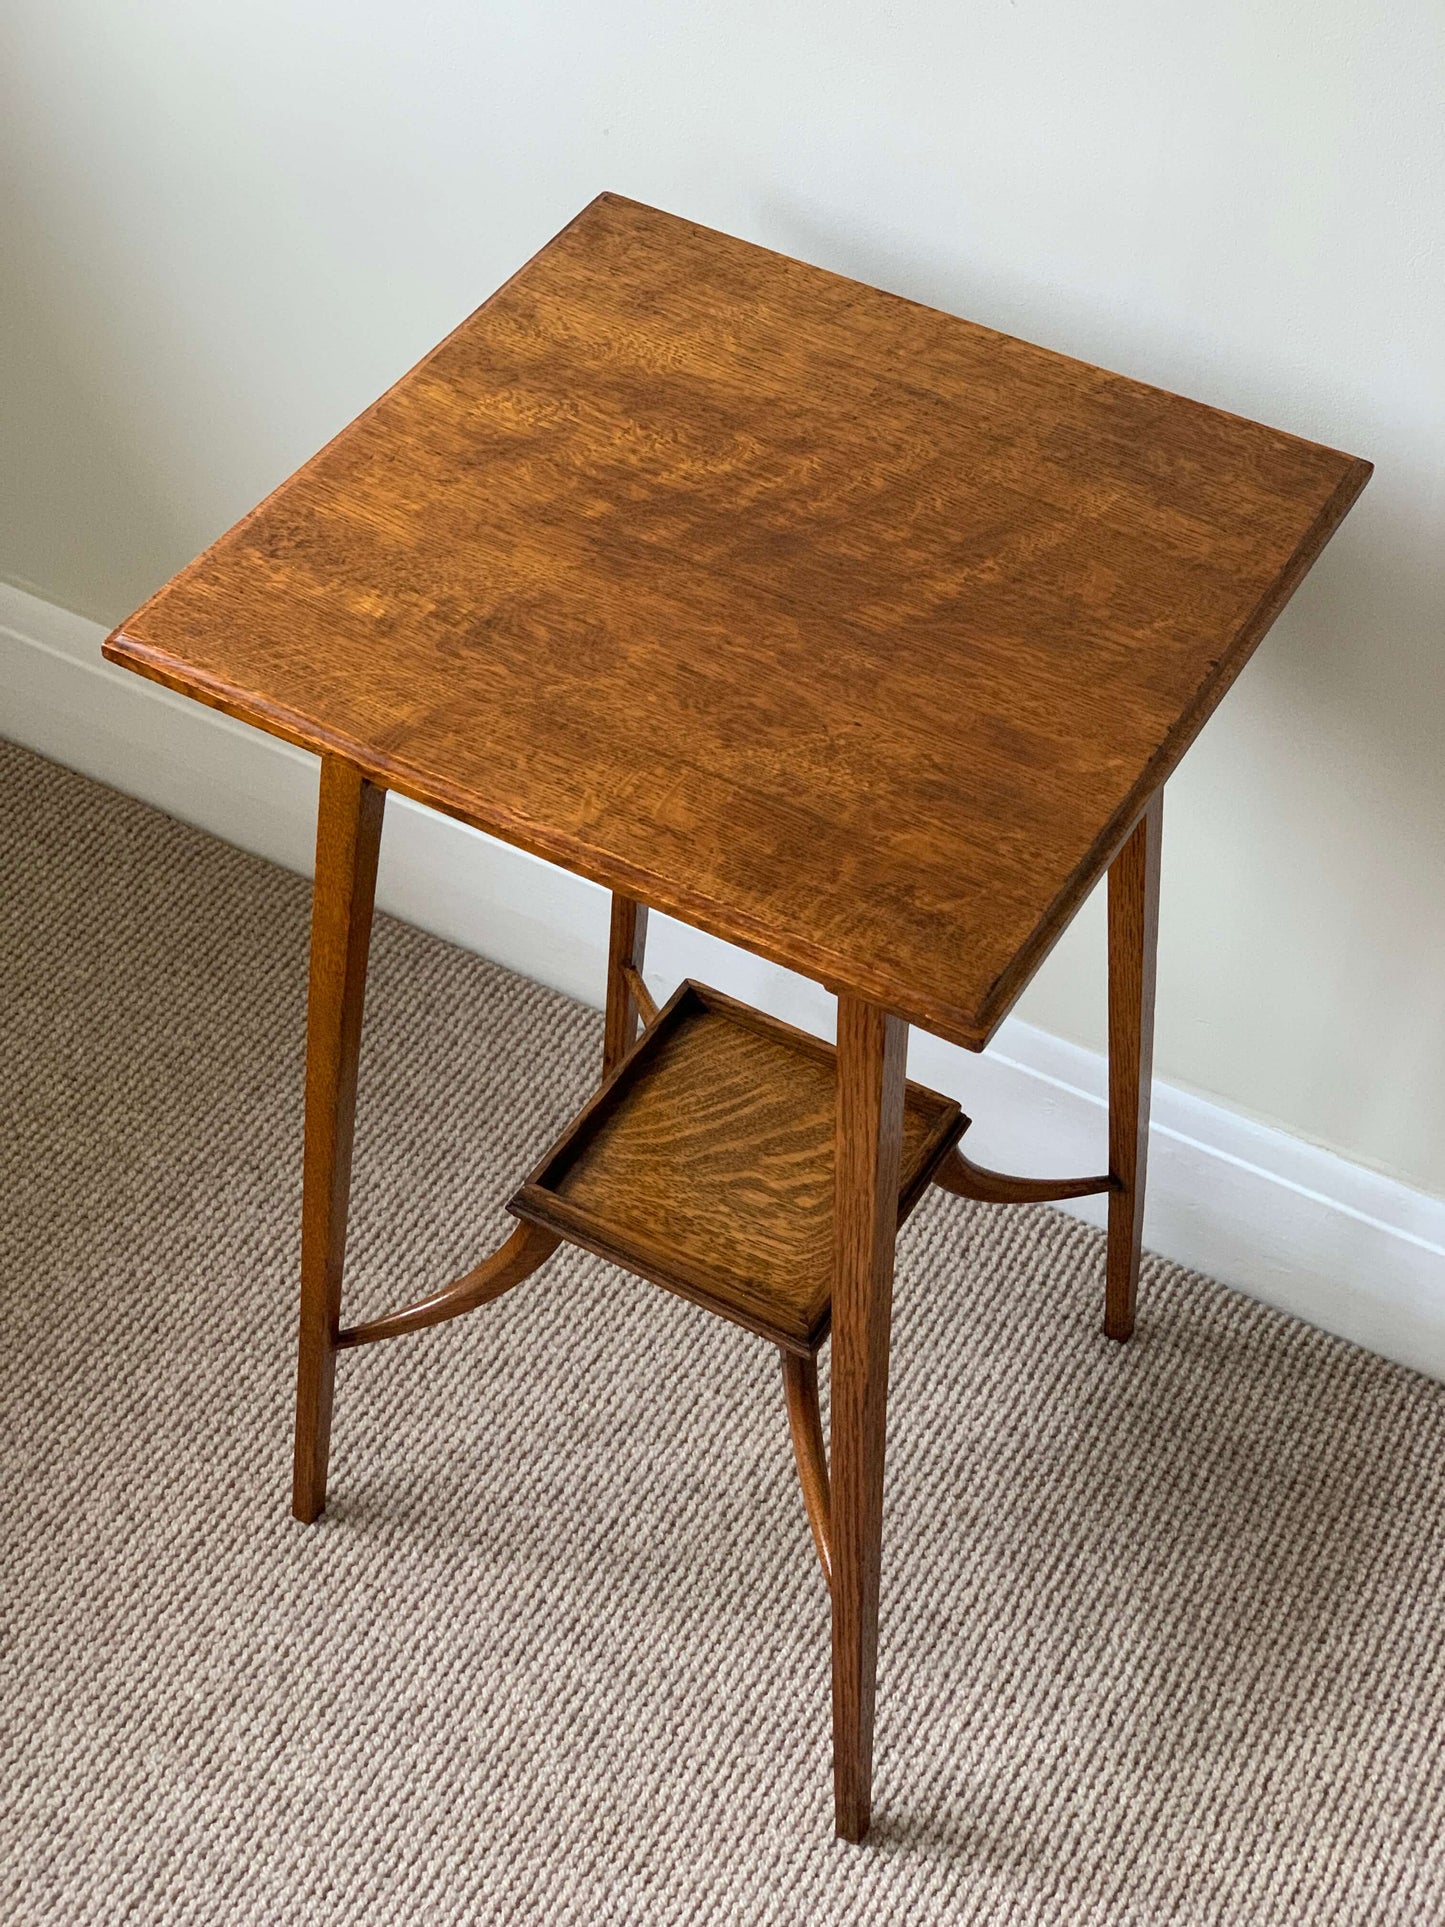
(1133, 948)
(626, 948)
(348, 837)
(872, 1048)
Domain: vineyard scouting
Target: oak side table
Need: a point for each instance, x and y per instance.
(848, 631)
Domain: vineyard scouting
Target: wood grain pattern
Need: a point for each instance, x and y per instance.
(805, 1423)
(707, 1165)
(348, 840)
(852, 632)
(1133, 952)
(872, 1050)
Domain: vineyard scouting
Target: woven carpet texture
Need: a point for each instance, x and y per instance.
(1162, 1624)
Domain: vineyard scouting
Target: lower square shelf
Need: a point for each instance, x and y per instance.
(706, 1164)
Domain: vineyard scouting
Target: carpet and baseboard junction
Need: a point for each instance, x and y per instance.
(1161, 1624)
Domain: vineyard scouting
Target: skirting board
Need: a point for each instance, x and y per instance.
(1314, 1234)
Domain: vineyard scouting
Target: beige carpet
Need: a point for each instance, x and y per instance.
(1164, 1627)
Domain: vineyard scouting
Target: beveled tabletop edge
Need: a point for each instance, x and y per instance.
(692, 907)
(958, 1025)
(927, 1009)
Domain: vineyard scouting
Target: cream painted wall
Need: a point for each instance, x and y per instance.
(226, 229)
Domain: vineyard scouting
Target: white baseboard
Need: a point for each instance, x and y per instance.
(1345, 1247)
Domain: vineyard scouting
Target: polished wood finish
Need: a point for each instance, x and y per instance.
(706, 1163)
(626, 949)
(800, 1393)
(870, 1128)
(348, 839)
(527, 1248)
(852, 632)
(1133, 950)
(965, 1179)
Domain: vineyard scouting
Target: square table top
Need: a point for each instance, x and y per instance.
(844, 629)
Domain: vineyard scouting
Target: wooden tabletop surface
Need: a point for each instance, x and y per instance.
(847, 630)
